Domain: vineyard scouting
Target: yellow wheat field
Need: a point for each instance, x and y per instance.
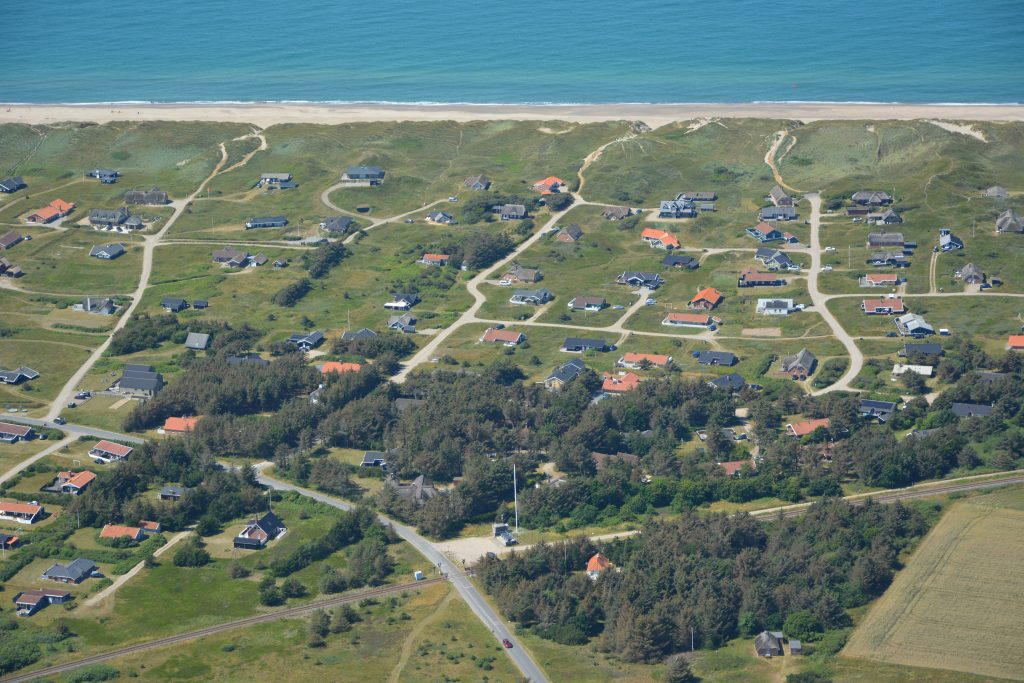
(959, 603)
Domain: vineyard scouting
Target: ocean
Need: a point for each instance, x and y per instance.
(597, 51)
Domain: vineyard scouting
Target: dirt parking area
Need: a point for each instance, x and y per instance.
(761, 332)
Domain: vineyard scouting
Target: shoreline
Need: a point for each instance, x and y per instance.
(655, 115)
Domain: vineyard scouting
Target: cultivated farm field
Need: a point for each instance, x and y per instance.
(958, 603)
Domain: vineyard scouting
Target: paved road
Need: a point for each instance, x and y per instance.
(820, 303)
(464, 586)
(290, 613)
(80, 430)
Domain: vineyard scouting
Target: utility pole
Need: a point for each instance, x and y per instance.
(849, 256)
(691, 639)
(515, 495)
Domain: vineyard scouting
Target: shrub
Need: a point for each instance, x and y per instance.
(192, 554)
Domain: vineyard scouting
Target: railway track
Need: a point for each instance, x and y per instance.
(289, 613)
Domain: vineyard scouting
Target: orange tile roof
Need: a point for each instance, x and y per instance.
(78, 479)
(733, 466)
(62, 206)
(113, 448)
(23, 508)
(502, 336)
(45, 213)
(620, 384)
(688, 318)
(180, 424)
(709, 294)
(436, 257)
(873, 304)
(546, 184)
(662, 236)
(118, 531)
(335, 366)
(764, 228)
(653, 358)
(808, 426)
(598, 563)
(1016, 341)
(881, 277)
(149, 526)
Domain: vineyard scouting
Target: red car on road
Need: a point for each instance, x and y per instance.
(507, 643)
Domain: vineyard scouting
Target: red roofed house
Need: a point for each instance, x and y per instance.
(882, 306)
(733, 468)
(180, 425)
(118, 531)
(23, 513)
(435, 259)
(108, 451)
(335, 366)
(549, 185)
(765, 232)
(597, 564)
(879, 280)
(621, 383)
(29, 602)
(507, 337)
(633, 360)
(706, 299)
(659, 239)
(1016, 342)
(804, 428)
(12, 433)
(74, 482)
(150, 527)
(687, 320)
(58, 208)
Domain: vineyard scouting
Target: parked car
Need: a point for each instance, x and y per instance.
(507, 643)
(59, 420)
(72, 404)
(891, 334)
(650, 302)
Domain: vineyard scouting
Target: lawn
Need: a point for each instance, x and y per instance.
(961, 578)
(997, 317)
(60, 262)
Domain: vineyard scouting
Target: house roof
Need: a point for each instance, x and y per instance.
(653, 358)
(1016, 341)
(583, 343)
(751, 275)
(502, 336)
(335, 366)
(972, 271)
(16, 429)
(584, 301)
(732, 467)
(808, 426)
(662, 236)
(573, 230)
(1010, 221)
(118, 531)
(698, 318)
(971, 409)
(716, 358)
(149, 526)
(436, 257)
(567, 371)
(20, 508)
(76, 570)
(881, 277)
(197, 341)
(180, 424)
(477, 180)
(548, 183)
(730, 382)
(765, 228)
(677, 260)
(926, 349)
(803, 359)
(77, 479)
(896, 305)
(114, 449)
(10, 239)
(62, 206)
(598, 563)
(620, 383)
(709, 294)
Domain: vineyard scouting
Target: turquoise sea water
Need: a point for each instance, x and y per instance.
(513, 52)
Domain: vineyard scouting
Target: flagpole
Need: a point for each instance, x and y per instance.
(515, 495)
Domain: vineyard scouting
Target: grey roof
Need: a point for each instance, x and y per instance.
(94, 304)
(926, 349)
(77, 570)
(616, 212)
(914, 323)
(538, 294)
(774, 212)
(337, 223)
(173, 303)
(566, 372)
(197, 341)
(12, 184)
(108, 251)
(15, 376)
(871, 197)
(362, 333)
(372, 458)
(768, 644)
(730, 382)
(248, 359)
(419, 491)
(227, 255)
(990, 377)
(310, 339)
(267, 221)
(886, 239)
(573, 230)
(276, 177)
(971, 409)
(401, 321)
(478, 180)
(172, 491)
(440, 217)
(364, 171)
(580, 302)
(512, 210)
(583, 343)
(803, 359)
(652, 280)
(109, 216)
(403, 404)
(698, 196)
(140, 380)
(1010, 221)
(971, 271)
(997, 191)
(154, 196)
(716, 358)
(777, 193)
(678, 260)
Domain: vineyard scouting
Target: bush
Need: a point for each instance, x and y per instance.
(237, 571)
(803, 625)
(192, 554)
(97, 672)
(289, 295)
(17, 650)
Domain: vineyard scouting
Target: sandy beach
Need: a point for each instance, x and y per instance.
(654, 115)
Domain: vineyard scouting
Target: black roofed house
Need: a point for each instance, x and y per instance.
(10, 239)
(134, 223)
(200, 304)
(636, 279)
(8, 269)
(581, 344)
(775, 259)
(778, 197)
(337, 224)
(697, 196)
(716, 358)
(887, 217)
(511, 212)
(173, 304)
(533, 297)
(477, 182)
(402, 302)
(272, 179)
(913, 325)
(616, 213)
(231, 258)
(677, 208)
(286, 185)
(886, 240)
(154, 197)
(948, 241)
(104, 175)
(871, 198)
(266, 222)
(27, 603)
(76, 571)
(307, 341)
(971, 274)
(197, 341)
(171, 493)
(564, 374)
(362, 333)
(97, 305)
(680, 261)
(259, 532)
(441, 218)
(374, 175)
(139, 381)
(418, 492)
(250, 358)
(374, 459)
(800, 365)
(896, 259)
(1009, 221)
(971, 410)
(731, 382)
(107, 251)
(108, 218)
(778, 213)
(879, 410)
(22, 374)
(12, 184)
(403, 323)
(768, 644)
(924, 349)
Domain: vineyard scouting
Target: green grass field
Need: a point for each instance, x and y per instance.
(960, 579)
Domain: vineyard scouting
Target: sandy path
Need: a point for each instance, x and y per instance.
(410, 640)
(32, 459)
(124, 578)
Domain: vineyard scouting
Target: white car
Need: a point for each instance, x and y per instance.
(830, 248)
(826, 269)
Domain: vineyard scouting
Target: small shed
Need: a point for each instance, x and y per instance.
(795, 648)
